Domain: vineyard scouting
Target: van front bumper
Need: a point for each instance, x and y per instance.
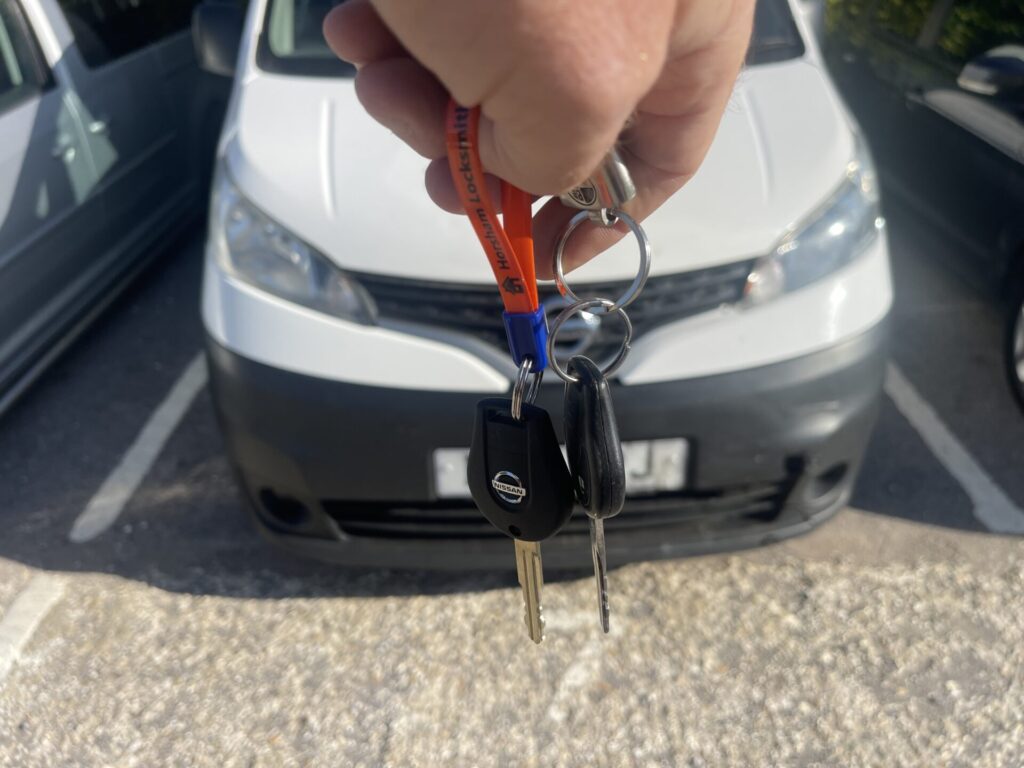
(345, 472)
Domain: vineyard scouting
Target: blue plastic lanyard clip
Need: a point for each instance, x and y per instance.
(527, 334)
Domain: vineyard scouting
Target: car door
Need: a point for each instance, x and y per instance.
(185, 92)
(871, 55)
(975, 157)
(129, 124)
(939, 148)
(51, 219)
(883, 69)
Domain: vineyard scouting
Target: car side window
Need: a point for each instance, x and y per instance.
(976, 26)
(106, 30)
(954, 32)
(22, 71)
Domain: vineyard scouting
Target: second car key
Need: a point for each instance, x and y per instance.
(595, 461)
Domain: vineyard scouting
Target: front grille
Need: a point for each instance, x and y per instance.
(460, 519)
(476, 310)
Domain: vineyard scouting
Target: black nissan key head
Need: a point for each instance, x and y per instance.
(516, 472)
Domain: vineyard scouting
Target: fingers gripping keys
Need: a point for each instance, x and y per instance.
(595, 462)
(520, 483)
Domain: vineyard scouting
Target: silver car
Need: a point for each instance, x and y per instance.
(107, 129)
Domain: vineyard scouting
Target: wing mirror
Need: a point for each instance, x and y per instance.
(998, 73)
(216, 35)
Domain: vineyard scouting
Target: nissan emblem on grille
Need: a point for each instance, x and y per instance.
(579, 332)
(508, 487)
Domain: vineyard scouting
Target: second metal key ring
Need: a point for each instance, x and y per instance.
(583, 306)
(639, 281)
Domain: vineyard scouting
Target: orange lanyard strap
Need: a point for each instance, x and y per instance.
(509, 248)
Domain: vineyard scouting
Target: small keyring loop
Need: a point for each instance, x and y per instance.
(582, 306)
(639, 281)
(520, 393)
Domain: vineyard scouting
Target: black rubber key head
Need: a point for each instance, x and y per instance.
(517, 475)
(592, 441)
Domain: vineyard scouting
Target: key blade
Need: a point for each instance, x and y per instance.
(597, 549)
(531, 578)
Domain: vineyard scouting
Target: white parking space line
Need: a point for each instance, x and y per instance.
(24, 616)
(991, 506)
(105, 506)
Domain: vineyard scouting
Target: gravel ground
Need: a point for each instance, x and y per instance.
(827, 650)
(13, 577)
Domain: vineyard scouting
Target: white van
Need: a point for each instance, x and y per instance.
(353, 326)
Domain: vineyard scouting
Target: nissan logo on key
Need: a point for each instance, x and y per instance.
(509, 488)
(578, 333)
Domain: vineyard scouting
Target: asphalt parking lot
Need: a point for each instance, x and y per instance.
(150, 625)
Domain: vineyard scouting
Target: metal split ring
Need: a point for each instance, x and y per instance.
(581, 306)
(639, 281)
(525, 390)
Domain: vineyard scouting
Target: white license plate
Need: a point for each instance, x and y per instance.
(652, 466)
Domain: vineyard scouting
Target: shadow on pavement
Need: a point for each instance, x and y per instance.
(188, 529)
(946, 335)
(901, 478)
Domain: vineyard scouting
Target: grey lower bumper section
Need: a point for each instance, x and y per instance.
(344, 472)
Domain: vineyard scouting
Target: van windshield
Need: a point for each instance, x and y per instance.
(292, 41)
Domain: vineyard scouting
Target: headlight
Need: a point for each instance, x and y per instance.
(830, 238)
(255, 248)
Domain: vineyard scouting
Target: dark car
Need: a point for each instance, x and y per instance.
(938, 87)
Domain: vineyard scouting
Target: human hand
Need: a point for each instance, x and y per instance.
(556, 83)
